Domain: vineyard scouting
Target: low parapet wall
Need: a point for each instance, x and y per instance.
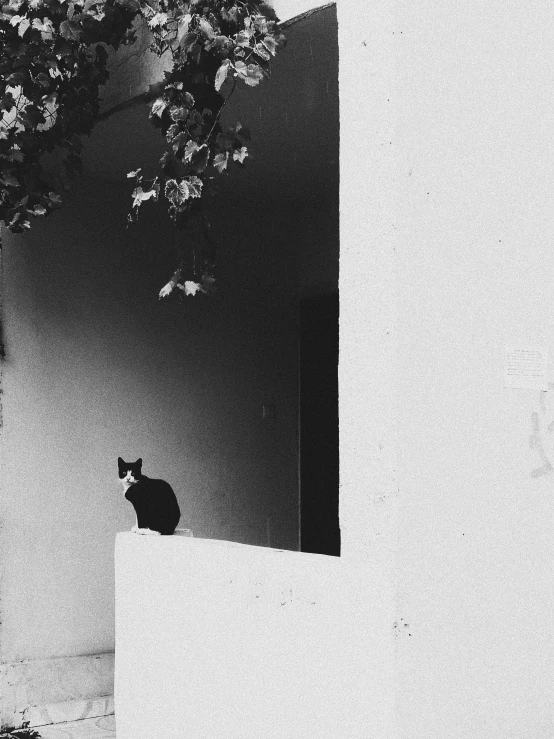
(218, 639)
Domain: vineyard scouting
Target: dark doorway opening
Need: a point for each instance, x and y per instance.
(319, 425)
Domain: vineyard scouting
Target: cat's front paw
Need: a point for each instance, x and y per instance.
(147, 532)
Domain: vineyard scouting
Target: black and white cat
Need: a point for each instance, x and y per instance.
(153, 500)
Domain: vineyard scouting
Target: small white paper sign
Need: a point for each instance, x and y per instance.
(525, 367)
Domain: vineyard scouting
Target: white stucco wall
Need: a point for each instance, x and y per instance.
(475, 270)
(246, 642)
(287, 9)
(446, 255)
(446, 227)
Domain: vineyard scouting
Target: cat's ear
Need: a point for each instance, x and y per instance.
(120, 462)
(139, 462)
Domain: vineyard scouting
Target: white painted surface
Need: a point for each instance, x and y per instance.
(446, 256)
(287, 9)
(446, 240)
(73, 710)
(91, 728)
(216, 639)
(37, 692)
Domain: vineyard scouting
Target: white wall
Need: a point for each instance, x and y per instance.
(246, 642)
(287, 9)
(446, 255)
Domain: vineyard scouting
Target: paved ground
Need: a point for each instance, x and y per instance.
(88, 728)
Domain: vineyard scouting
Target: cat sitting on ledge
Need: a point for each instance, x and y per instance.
(154, 501)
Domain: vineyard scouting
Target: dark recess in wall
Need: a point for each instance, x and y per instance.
(319, 425)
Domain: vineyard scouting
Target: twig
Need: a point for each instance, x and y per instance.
(219, 111)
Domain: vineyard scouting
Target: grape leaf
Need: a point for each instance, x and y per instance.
(140, 195)
(172, 132)
(178, 113)
(158, 107)
(147, 10)
(132, 5)
(166, 289)
(195, 186)
(221, 74)
(71, 30)
(200, 161)
(159, 19)
(38, 210)
(242, 38)
(23, 26)
(270, 44)
(17, 78)
(260, 24)
(31, 117)
(231, 14)
(188, 42)
(262, 52)
(240, 154)
(179, 192)
(220, 161)
(43, 79)
(54, 199)
(46, 28)
(179, 140)
(206, 28)
(190, 149)
(9, 179)
(208, 283)
(224, 142)
(14, 155)
(183, 26)
(174, 193)
(191, 288)
(7, 102)
(251, 74)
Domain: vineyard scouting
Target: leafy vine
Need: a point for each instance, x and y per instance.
(53, 61)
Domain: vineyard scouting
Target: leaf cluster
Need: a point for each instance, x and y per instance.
(24, 733)
(214, 44)
(53, 60)
(211, 42)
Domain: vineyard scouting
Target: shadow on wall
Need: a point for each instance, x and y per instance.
(97, 367)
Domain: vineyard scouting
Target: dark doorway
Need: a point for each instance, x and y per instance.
(319, 425)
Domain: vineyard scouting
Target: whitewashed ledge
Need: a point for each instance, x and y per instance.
(73, 710)
(49, 691)
(223, 640)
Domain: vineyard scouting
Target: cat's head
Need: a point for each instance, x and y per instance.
(129, 472)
